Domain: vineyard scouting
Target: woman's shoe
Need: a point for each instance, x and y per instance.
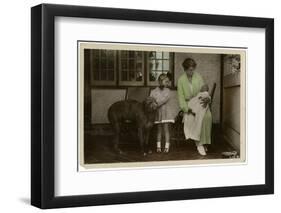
(201, 150)
(206, 148)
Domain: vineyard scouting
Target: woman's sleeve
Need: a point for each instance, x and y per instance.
(182, 102)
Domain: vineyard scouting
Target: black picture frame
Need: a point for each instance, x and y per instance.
(43, 102)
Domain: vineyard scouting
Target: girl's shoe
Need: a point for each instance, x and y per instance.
(167, 147)
(158, 147)
(201, 150)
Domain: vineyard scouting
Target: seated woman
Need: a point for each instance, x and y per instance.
(194, 117)
(189, 85)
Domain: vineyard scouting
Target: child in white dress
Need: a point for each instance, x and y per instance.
(164, 116)
(196, 112)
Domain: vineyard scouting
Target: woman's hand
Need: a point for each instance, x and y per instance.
(205, 101)
(190, 112)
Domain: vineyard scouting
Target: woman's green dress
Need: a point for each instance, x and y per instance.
(187, 90)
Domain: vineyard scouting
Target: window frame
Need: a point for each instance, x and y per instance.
(119, 70)
(103, 82)
(117, 82)
(171, 68)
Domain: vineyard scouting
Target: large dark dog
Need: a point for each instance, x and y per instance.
(141, 114)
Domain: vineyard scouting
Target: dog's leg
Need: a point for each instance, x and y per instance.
(140, 134)
(146, 142)
(117, 137)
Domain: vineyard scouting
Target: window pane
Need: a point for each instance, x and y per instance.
(124, 53)
(96, 69)
(103, 64)
(103, 75)
(166, 65)
(139, 76)
(153, 75)
(151, 55)
(158, 65)
(96, 53)
(139, 55)
(110, 74)
(96, 64)
(131, 75)
(139, 66)
(103, 53)
(96, 75)
(131, 54)
(166, 55)
(124, 76)
(110, 53)
(132, 64)
(157, 75)
(152, 65)
(159, 55)
(110, 63)
(124, 64)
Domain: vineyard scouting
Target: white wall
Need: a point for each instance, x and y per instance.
(102, 99)
(15, 106)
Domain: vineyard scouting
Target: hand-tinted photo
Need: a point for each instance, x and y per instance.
(145, 105)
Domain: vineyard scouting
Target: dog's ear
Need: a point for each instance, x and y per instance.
(148, 100)
(150, 104)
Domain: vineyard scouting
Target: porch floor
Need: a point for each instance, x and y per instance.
(99, 149)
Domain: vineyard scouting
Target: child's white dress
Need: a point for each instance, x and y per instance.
(193, 124)
(164, 112)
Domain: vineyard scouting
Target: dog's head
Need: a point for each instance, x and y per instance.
(150, 104)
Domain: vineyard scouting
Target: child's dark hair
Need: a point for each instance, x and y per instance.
(169, 76)
(162, 77)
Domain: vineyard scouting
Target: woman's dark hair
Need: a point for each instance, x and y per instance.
(188, 62)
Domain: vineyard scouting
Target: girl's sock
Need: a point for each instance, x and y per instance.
(158, 146)
(167, 147)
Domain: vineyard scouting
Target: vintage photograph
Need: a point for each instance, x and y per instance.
(142, 105)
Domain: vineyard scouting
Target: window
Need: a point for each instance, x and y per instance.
(103, 67)
(158, 63)
(233, 63)
(127, 68)
(131, 68)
